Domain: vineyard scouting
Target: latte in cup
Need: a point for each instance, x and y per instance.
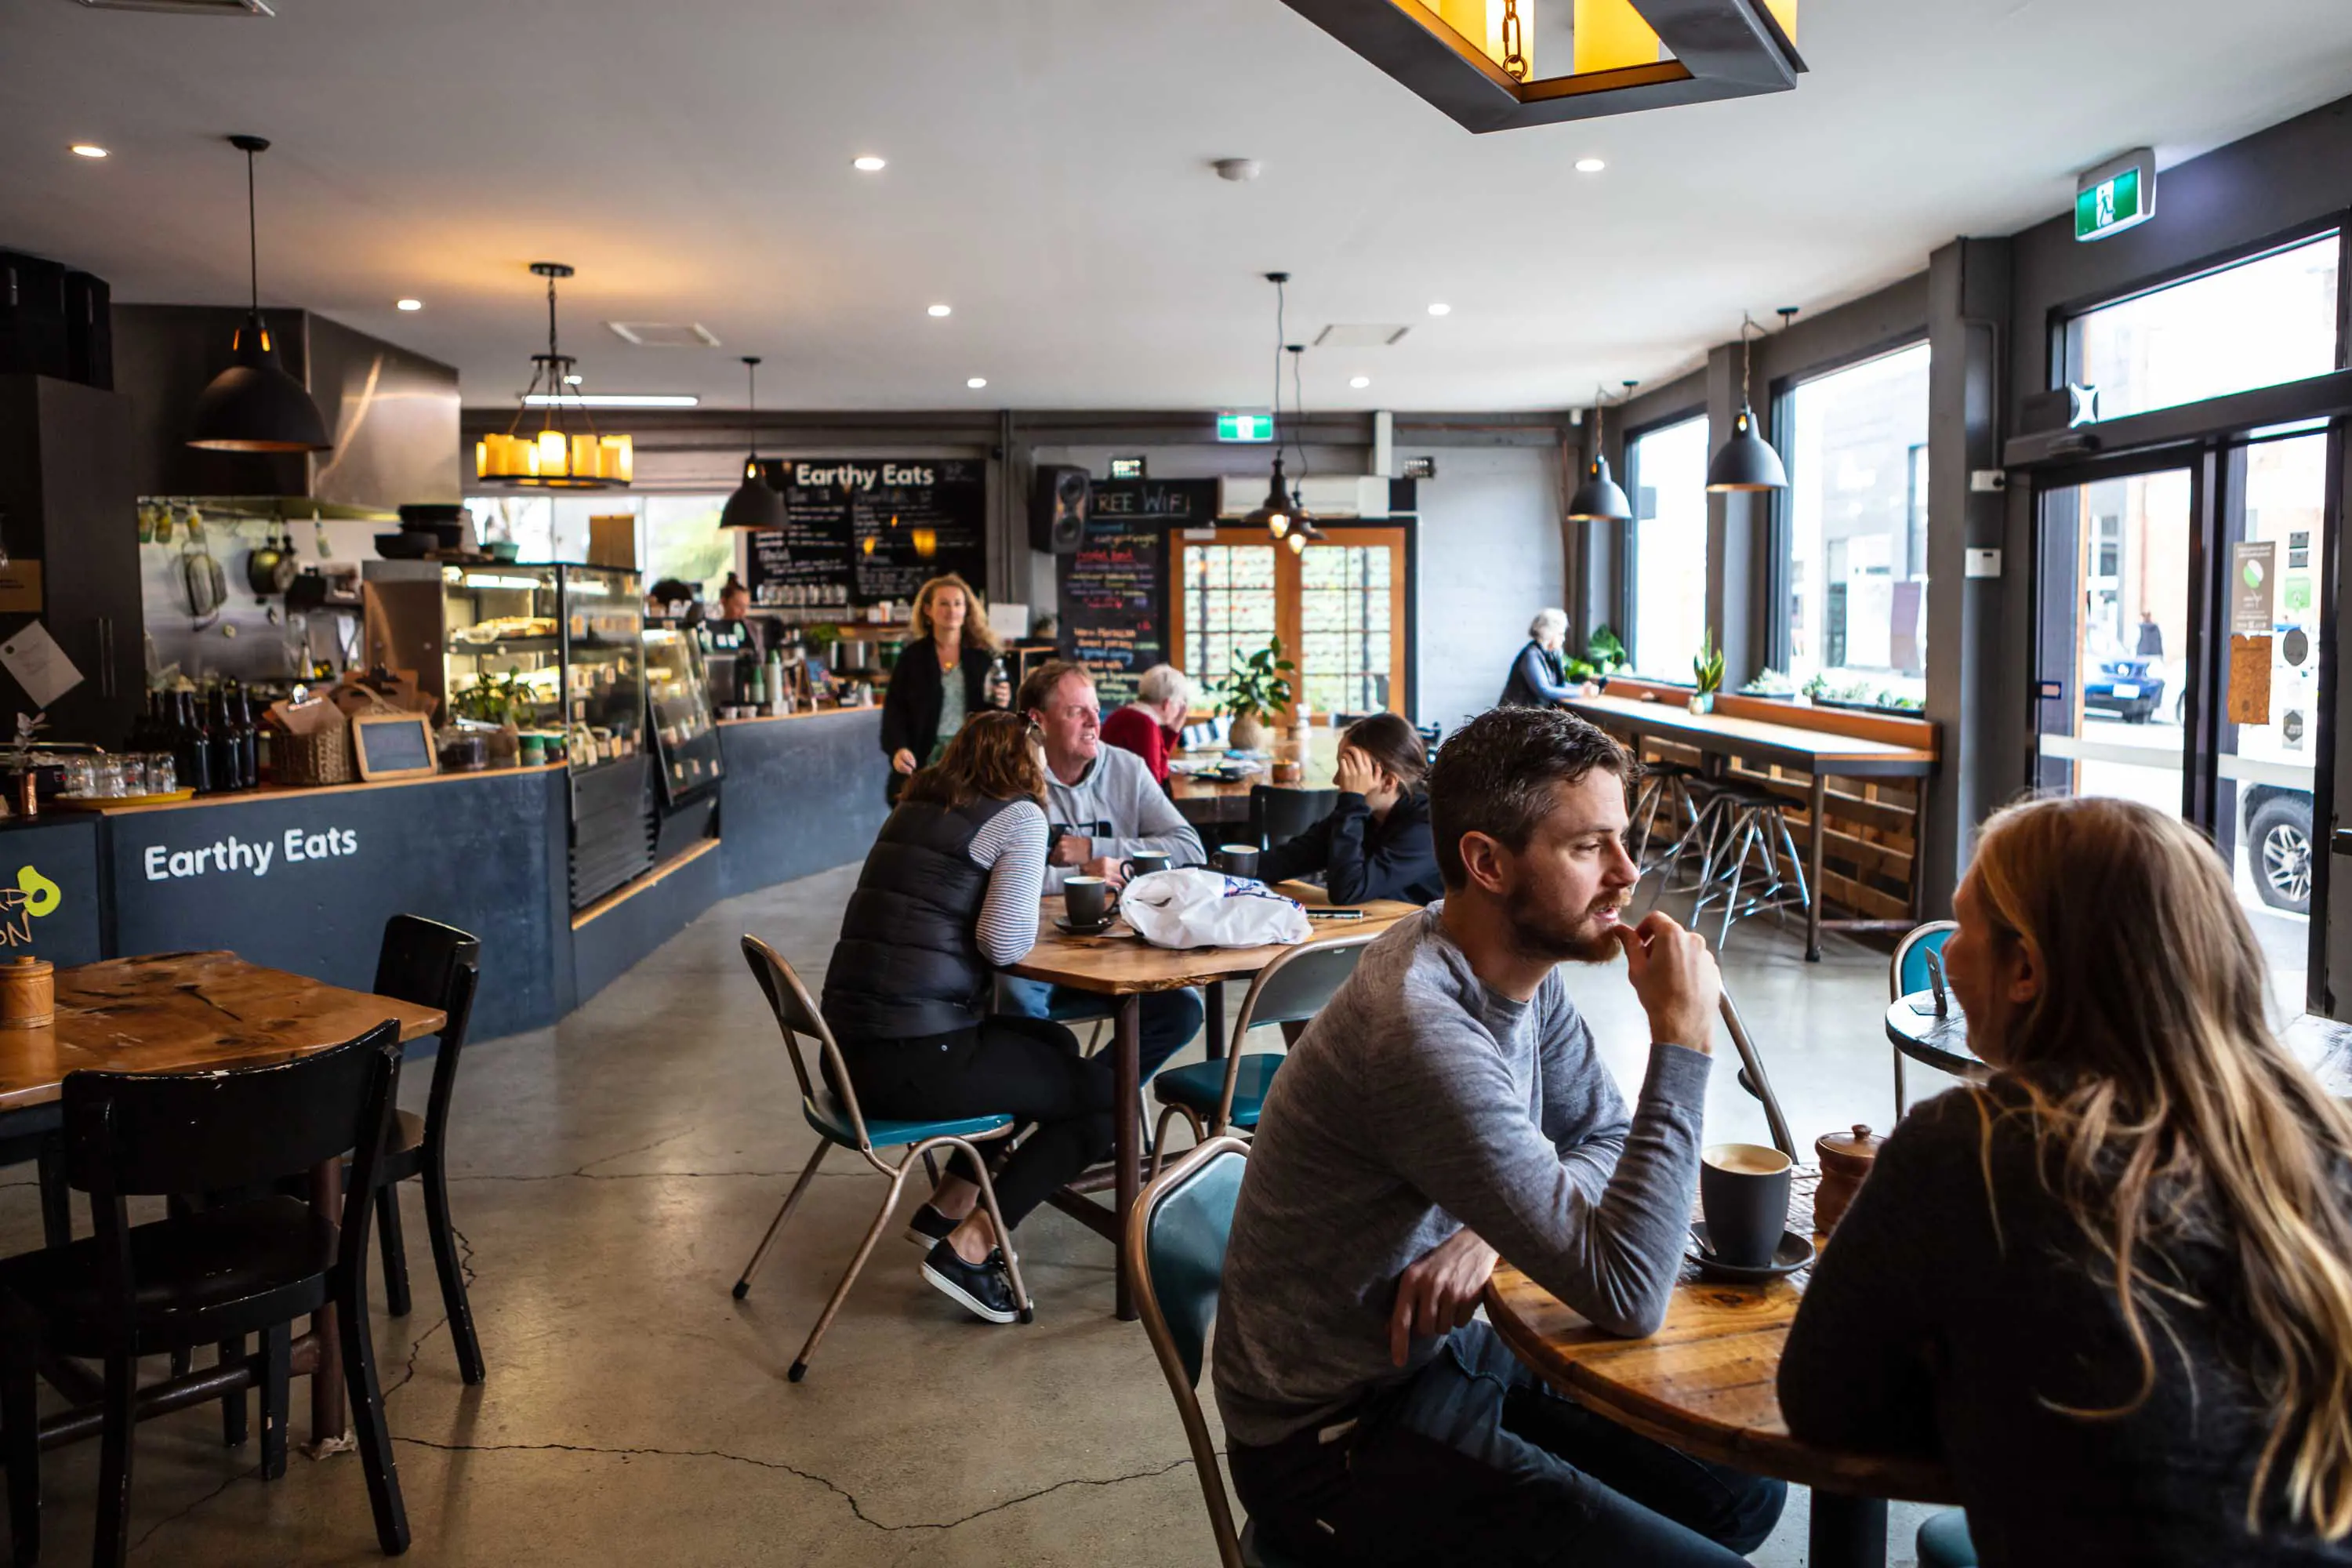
(1743, 1191)
(1087, 898)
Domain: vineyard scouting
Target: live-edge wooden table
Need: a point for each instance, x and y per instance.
(1704, 1383)
(189, 1012)
(1122, 965)
(1818, 754)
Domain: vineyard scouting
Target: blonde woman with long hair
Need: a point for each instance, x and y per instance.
(941, 678)
(2113, 1285)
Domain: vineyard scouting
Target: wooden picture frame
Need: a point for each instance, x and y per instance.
(384, 766)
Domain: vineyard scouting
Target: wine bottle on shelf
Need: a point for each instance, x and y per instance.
(221, 741)
(248, 744)
(192, 757)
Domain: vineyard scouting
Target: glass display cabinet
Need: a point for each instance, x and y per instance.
(601, 622)
(678, 694)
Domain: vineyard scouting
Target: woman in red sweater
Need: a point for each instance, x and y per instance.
(1151, 726)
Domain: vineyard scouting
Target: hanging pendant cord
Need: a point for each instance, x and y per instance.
(1277, 368)
(752, 381)
(252, 233)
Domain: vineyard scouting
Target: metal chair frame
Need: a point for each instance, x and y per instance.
(1258, 1007)
(1757, 825)
(1914, 937)
(1666, 788)
(1752, 1076)
(1704, 839)
(797, 1015)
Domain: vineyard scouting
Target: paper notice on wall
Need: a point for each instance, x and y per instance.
(2253, 587)
(2250, 680)
(40, 665)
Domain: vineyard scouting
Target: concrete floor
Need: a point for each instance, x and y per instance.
(611, 1175)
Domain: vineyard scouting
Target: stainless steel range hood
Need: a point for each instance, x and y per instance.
(393, 415)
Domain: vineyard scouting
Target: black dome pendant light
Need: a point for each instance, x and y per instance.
(1747, 461)
(1599, 498)
(254, 405)
(1303, 530)
(1275, 513)
(756, 504)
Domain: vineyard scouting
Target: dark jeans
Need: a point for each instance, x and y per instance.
(1165, 1023)
(1474, 1461)
(1027, 1068)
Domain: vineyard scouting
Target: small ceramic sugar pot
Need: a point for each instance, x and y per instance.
(1846, 1158)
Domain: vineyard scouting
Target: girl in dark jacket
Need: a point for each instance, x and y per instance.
(940, 679)
(1376, 843)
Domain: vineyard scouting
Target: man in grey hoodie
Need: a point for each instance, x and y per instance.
(1102, 805)
(1447, 1106)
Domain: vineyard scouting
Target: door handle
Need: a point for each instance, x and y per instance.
(105, 656)
(2339, 842)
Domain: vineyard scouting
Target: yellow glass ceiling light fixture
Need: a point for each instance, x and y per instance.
(1498, 65)
(559, 456)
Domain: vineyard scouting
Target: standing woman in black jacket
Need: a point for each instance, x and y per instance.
(940, 679)
(1376, 843)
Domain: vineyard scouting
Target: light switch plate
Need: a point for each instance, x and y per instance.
(1984, 562)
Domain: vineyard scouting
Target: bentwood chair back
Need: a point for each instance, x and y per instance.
(1753, 1077)
(1909, 971)
(1217, 1096)
(1279, 811)
(438, 966)
(829, 1105)
(239, 1266)
(1175, 1245)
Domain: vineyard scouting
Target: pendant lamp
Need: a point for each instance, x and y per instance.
(756, 504)
(1276, 513)
(558, 457)
(1747, 461)
(1599, 498)
(254, 405)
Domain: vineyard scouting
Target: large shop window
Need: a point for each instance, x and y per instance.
(1339, 608)
(678, 536)
(1668, 469)
(2255, 324)
(1856, 445)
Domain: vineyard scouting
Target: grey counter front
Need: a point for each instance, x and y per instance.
(802, 793)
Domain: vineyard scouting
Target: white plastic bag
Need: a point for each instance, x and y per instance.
(1199, 908)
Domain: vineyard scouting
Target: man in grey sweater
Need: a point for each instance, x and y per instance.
(1446, 1106)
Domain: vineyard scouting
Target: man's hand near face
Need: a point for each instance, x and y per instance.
(1676, 979)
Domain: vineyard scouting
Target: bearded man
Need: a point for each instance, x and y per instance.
(1445, 1107)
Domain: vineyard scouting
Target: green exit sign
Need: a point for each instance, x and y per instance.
(2116, 196)
(1245, 427)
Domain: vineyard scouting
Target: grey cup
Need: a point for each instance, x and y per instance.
(1743, 1191)
(1089, 899)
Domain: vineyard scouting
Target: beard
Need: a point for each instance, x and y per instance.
(1539, 926)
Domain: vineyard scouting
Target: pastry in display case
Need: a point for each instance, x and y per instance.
(678, 695)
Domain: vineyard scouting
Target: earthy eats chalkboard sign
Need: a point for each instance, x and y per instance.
(1114, 589)
(858, 531)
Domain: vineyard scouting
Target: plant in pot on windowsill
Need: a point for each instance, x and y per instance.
(1707, 672)
(1257, 690)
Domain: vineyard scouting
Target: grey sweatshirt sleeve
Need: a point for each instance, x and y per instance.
(1139, 812)
(1601, 1230)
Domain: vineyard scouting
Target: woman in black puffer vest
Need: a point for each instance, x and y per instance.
(949, 895)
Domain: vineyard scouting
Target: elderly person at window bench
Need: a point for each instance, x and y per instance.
(1152, 725)
(1539, 677)
(1101, 806)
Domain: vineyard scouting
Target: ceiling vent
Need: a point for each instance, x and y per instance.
(665, 334)
(1339, 335)
(186, 7)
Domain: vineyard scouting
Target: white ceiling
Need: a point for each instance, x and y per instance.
(1049, 179)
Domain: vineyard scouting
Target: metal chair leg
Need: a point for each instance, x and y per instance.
(1004, 1240)
(1898, 1086)
(1796, 861)
(1160, 1137)
(808, 1174)
(864, 1250)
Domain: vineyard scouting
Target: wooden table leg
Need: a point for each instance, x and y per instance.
(1819, 805)
(1847, 1532)
(330, 1419)
(1214, 994)
(1127, 1141)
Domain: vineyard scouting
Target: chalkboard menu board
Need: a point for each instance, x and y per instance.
(1114, 589)
(861, 529)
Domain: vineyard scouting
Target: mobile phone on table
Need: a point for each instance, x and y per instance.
(1335, 914)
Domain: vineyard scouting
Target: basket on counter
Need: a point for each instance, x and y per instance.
(321, 757)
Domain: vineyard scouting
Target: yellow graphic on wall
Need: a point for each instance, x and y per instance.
(33, 897)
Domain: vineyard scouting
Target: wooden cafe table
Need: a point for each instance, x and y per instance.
(1122, 965)
(190, 1012)
(1704, 1383)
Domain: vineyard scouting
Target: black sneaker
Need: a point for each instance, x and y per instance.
(983, 1289)
(928, 1224)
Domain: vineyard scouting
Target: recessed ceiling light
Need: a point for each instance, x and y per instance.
(1360, 381)
(88, 150)
(1589, 166)
(612, 400)
(869, 165)
(572, 380)
(1440, 308)
(976, 382)
(409, 304)
(942, 309)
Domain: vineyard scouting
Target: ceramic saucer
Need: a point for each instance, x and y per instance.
(1070, 928)
(1793, 1253)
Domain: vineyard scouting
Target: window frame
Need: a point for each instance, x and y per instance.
(1629, 549)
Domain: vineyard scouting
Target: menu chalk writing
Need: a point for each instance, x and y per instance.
(858, 531)
(1114, 588)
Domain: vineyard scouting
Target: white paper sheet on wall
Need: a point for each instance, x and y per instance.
(40, 665)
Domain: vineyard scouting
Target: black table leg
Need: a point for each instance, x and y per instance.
(1214, 994)
(1818, 803)
(1847, 1532)
(1127, 1141)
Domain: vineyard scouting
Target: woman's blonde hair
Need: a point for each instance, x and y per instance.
(977, 633)
(2165, 1113)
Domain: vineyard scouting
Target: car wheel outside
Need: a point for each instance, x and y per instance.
(2280, 838)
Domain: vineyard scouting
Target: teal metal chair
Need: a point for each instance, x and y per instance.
(838, 1121)
(1216, 1097)
(1909, 971)
(1176, 1255)
(1943, 1540)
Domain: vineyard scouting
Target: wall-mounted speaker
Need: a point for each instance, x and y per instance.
(1058, 508)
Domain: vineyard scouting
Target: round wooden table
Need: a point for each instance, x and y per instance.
(1913, 1028)
(1704, 1383)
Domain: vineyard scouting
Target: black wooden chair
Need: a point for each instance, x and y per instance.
(1278, 811)
(213, 1276)
(433, 965)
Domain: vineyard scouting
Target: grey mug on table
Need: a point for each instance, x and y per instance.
(1089, 901)
(1143, 863)
(1743, 1193)
(1237, 859)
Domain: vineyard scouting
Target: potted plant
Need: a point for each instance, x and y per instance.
(1257, 690)
(1707, 670)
